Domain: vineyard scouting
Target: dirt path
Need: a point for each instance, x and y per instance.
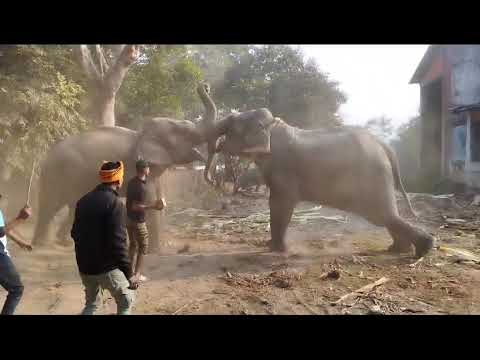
(227, 270)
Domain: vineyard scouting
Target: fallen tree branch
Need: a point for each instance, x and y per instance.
(364, 290)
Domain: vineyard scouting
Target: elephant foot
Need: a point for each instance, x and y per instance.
(277, 246)
(423, 244)
(400, 248)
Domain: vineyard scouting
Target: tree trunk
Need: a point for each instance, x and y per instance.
(106, 77)
(106, 108)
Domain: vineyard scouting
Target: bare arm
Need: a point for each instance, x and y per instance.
(10, 225)
(136, 206)
(158, 205)
(23, 215)
(16, 238)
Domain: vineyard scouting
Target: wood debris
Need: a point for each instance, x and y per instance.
(281, 279)
(460, 255)
(362, 291)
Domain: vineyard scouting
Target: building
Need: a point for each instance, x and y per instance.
(449, 79)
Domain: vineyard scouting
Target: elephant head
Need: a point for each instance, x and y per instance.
(246, 133)
(164, 141)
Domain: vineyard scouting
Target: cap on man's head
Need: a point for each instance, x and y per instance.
(142, 164)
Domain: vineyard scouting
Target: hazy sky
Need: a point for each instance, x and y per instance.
(374, 77)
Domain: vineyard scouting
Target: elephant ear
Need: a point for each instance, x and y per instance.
(261, 143)
(250, 133)
(149, 149)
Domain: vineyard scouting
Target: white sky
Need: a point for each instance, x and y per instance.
(374, 77)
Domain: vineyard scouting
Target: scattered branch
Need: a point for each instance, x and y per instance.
(364, 290)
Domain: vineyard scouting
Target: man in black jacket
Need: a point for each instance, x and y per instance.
(101, 249)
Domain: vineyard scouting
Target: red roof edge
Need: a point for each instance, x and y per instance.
(422, 67)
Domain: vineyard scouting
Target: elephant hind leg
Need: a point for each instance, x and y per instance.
(63, 233)
(404, 235)
(400, 244)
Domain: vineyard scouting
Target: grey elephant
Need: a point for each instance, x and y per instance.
(70, 168)
(344, 168)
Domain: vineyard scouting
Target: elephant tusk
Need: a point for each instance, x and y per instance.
(198, 156)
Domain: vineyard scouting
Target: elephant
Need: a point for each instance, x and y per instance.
(70, 168)
(344, 167)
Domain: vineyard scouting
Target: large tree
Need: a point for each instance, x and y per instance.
(407, 147)
(105, 67)
(39, 102)
(163, 83)
(280, 78)
(382, 127)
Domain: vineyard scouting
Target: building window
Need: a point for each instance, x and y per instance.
(459, 142)
(475, 141)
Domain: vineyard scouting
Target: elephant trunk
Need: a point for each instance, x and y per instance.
(207, 129)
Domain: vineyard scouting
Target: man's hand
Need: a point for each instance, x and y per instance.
(160, 204)
(25, 213)
(24, 246)
(133, 281)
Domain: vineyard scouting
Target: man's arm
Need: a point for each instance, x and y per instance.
(16, 238)
(157, 205)
(139, 198)
(10, 225)
(23, 215)
(117, 234)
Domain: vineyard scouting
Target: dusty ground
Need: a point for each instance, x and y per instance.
(227, 269)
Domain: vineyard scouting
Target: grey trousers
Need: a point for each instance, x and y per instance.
(116, 283)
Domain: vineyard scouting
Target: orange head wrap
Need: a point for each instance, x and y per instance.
(110, 176)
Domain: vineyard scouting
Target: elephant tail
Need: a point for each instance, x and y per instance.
(396, 175)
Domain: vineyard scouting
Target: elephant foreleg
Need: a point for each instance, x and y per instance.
(155, 226)
(155, 219)
(281, 210)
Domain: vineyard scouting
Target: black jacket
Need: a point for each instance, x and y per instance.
(99, 233)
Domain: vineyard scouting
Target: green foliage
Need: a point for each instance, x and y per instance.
(279, 78)
(45, 96)
(38, 103)
(407, 148)
(382, 127)
(162, 84)
(215, 60)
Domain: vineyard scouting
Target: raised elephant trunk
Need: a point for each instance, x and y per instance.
(207, 128)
